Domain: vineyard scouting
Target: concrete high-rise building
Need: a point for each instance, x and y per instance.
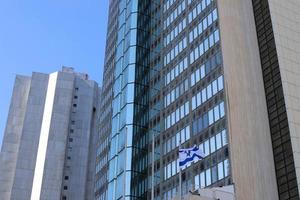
(48, 149)
(220, 74)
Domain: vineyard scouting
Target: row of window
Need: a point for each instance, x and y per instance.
(206, 93)
(174, 191)
(176, 71)
(204, 46)
(170, 194)
(216, 113)
(102, 146)
(171, 169)
(176, 31)
(176, 92)
(201, 6)
(214, 143)
(209, 65)
(180, 137)
(208, 118)
(211, 145)
(175, 51)
(99, 183)
(180, 8)
(177, 115)
(212, 175)
(168, 4)
(101, 163)
(203, 25)
(102, 196)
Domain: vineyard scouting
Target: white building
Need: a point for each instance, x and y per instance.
(215, 193)
(48, 146)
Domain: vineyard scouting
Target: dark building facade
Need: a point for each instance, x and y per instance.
(185, 73)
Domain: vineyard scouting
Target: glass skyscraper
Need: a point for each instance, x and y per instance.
(185, 73)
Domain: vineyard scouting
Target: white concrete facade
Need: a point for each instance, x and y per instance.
(46, 152)
(252, 163)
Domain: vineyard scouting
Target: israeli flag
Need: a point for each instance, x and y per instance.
(188, 155)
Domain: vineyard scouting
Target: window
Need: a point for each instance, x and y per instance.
(220, 83)
(216, 113)
(226, 168)
(212, 144)
(217, 36)
(214, 174)
(224, 137)
(193, 103)
(202, 180)
(214, 87)
(220, 171)
(204, 98)
(197, 183)
(66, 177)
(65, 187)
(208, 177)
(211, 117)
(206, 148)
(222, 110)
(202, 71)
(219, 141)
(209, 92)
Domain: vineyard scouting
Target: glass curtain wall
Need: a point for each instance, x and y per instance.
(128, 156)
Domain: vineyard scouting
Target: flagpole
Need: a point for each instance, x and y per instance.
(180, 178)
(180, 185)
(153, 154)
(124, 186)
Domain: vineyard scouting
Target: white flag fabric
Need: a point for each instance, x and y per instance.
(188, 155)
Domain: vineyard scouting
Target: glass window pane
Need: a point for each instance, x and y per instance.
(193, 102)
(197, 182)
(215, 15)
(192, 79)
(220, 83)
(217, 36)
(222, 110)
(209, 91)
(199, 100)
(200, 125)
(226, 168)
(202, 180)
(216, 113)
(215, 87)
(205, 121)
(202, 70)
(214, 174)
(220, 171)
(187, 132)
(208, 177)
(206, 148)
(212, 144)
(224, 137)
(219, 141)
(203, 95)
(210, 117)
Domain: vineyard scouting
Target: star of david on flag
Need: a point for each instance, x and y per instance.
(188, 155)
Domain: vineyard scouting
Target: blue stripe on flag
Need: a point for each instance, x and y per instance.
(190, 159)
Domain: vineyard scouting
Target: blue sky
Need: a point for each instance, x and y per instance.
(44, 35)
